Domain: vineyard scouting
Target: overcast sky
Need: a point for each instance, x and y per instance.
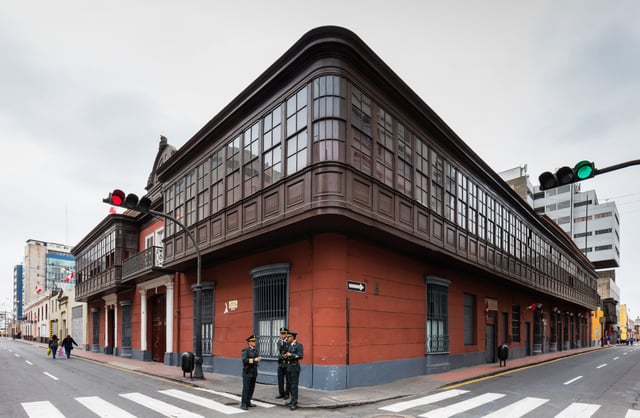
(87, 88)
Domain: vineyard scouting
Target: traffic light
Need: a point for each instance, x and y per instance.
(584, 170)
(115, 198)
(566, 175)
(128, 201)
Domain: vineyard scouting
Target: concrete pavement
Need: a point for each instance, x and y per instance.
(315, 398)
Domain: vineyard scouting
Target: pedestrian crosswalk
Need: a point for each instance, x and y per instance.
(452, 402)
(168, 403)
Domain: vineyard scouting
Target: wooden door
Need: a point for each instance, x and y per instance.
(158, 327)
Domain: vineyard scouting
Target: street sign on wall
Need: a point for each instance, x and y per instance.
(356, 286)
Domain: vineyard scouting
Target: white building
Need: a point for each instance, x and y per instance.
(45, 267)
(47, 271)
(593, 226)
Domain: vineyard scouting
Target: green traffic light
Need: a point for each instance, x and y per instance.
(584, 170)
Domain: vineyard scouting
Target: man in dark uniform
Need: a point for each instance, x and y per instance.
(293, 356)
(250, 360)
(283, 347)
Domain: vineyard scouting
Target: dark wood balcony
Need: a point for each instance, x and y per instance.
(144, 265)
(610, 314)
(330, 196)
(105, 282)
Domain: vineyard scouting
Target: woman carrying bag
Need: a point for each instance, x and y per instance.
(53, 345)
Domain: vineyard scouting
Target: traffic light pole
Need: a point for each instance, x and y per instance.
(131, 201)
(616, 167)
(197, 371)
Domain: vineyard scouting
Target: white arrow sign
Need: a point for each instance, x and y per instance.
(356, 286)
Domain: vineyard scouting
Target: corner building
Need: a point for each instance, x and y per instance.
(330, 199)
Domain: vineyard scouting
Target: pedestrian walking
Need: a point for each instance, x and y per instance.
(67, 345)
(283, 380)
(250, 359)
(293, 356)
(53, 345)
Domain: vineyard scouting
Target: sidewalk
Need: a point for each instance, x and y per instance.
(315, 398)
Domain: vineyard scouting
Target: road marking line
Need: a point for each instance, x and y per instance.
(51, 376)
(518, 409)
(632, 413)
(460, 407)
(436, 397)
(44, 409)
(199, 400)
(568, 382)
(601, 366)
(159, 406)
(616, 358)
(102, 408)
(578, 410)
(28, 362)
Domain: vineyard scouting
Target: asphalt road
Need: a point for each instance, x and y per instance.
(602, 383)
(34, 385)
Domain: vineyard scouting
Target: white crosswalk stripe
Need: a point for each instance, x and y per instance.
(436, 397)
(518, 409)
(578, 410)
(41, 409)
(450, 403)
(103, 408)
(235, 397)
(159, 406)
(457, 408)
(205, 402)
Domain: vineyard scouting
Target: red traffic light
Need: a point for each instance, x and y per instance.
(117, 197)
(129, 201)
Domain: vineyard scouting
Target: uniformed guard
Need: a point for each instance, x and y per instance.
(283, 348)
(250, 360)
(293, 356)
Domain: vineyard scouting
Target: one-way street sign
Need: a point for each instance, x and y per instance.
(356, 286)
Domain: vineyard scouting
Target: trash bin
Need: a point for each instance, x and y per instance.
(187, 362)
(503, 354)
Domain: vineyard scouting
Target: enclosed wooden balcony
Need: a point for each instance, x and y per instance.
(104, 282)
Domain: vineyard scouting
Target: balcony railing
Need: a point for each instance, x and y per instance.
(142, 262)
